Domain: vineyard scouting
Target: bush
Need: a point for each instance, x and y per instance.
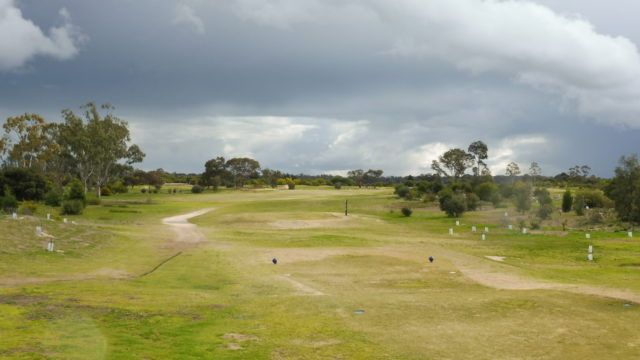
(473, 201)
(486, 190)
(8, 202)
(454, 205)
(338, 186)
(496, 199)
(197, 189)
(545, 211)
(522, 194)
(53, 197)
(578, 205)
(28, 208)
(105, 191)
(143, 190)
(567, 201)
(24, 184)
(119, 188)
(594, 198)
(72, 207)
(76, 192)
(291, 185)
(403, 191)
(406, 211)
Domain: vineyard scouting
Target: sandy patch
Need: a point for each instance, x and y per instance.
(185, 231)
(338, 220)
(111, 273)
(495, 258)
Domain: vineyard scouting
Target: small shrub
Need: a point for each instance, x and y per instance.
(545, 211)
(473, 201)
(496, 199)
(338, 186)
(197, 189)
(292, 185)
(94, 201)
(143, 190)
(567, 201)
(406, 211)
(535, 225)
(105, 191)
(404, 191)
(53, 198)
(119, 188)
(28, 208)
(8, 202)
(76, 192)
(72, 207)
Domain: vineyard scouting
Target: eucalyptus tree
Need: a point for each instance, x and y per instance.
(480, 151)
(95, 146)
(242, 169)
(456, 161)
(28, 141)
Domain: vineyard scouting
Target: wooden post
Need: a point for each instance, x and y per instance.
(346, 208)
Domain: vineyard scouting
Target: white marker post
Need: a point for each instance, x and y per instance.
(510, 227)
(48, 216)
(588, 236)
(457, 222)
(630, 234)
(506, 214)
(50, 246)
(38, 230)
(473, 228)
(450, 231)
(524, 230)
(484, 237)
(14, 216)
(590, 257)
(590, 249)
(486, 229)
(64, 220)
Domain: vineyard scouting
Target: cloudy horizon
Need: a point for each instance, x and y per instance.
(326, 86)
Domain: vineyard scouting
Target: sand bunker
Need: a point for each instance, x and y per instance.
(337, 220)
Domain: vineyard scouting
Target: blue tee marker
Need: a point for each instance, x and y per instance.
(431, 259)
(274, 261)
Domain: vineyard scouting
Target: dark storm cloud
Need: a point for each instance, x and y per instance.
(317, 86)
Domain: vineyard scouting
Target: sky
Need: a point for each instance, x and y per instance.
(327, 86)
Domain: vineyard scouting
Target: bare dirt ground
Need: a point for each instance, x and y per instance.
(185, 231)
(339, 220)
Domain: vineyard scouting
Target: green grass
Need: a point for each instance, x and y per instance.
(223, 299)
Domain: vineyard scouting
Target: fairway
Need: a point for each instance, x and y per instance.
(202, 285)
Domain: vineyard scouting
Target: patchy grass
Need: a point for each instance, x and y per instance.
(224, 299)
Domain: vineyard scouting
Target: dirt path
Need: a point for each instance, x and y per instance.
(186, 231)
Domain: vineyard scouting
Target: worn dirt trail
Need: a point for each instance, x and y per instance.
(186, 231)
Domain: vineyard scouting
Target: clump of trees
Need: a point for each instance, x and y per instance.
(40, 158)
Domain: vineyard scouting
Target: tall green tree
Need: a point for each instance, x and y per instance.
(513, 170)
(372, 176)
(242, 169)
(28, 141)
(214, 171)
(94, 145)
(357, 176)
(534, 171)
(480, 151)
(457, 161)
(624, 189)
